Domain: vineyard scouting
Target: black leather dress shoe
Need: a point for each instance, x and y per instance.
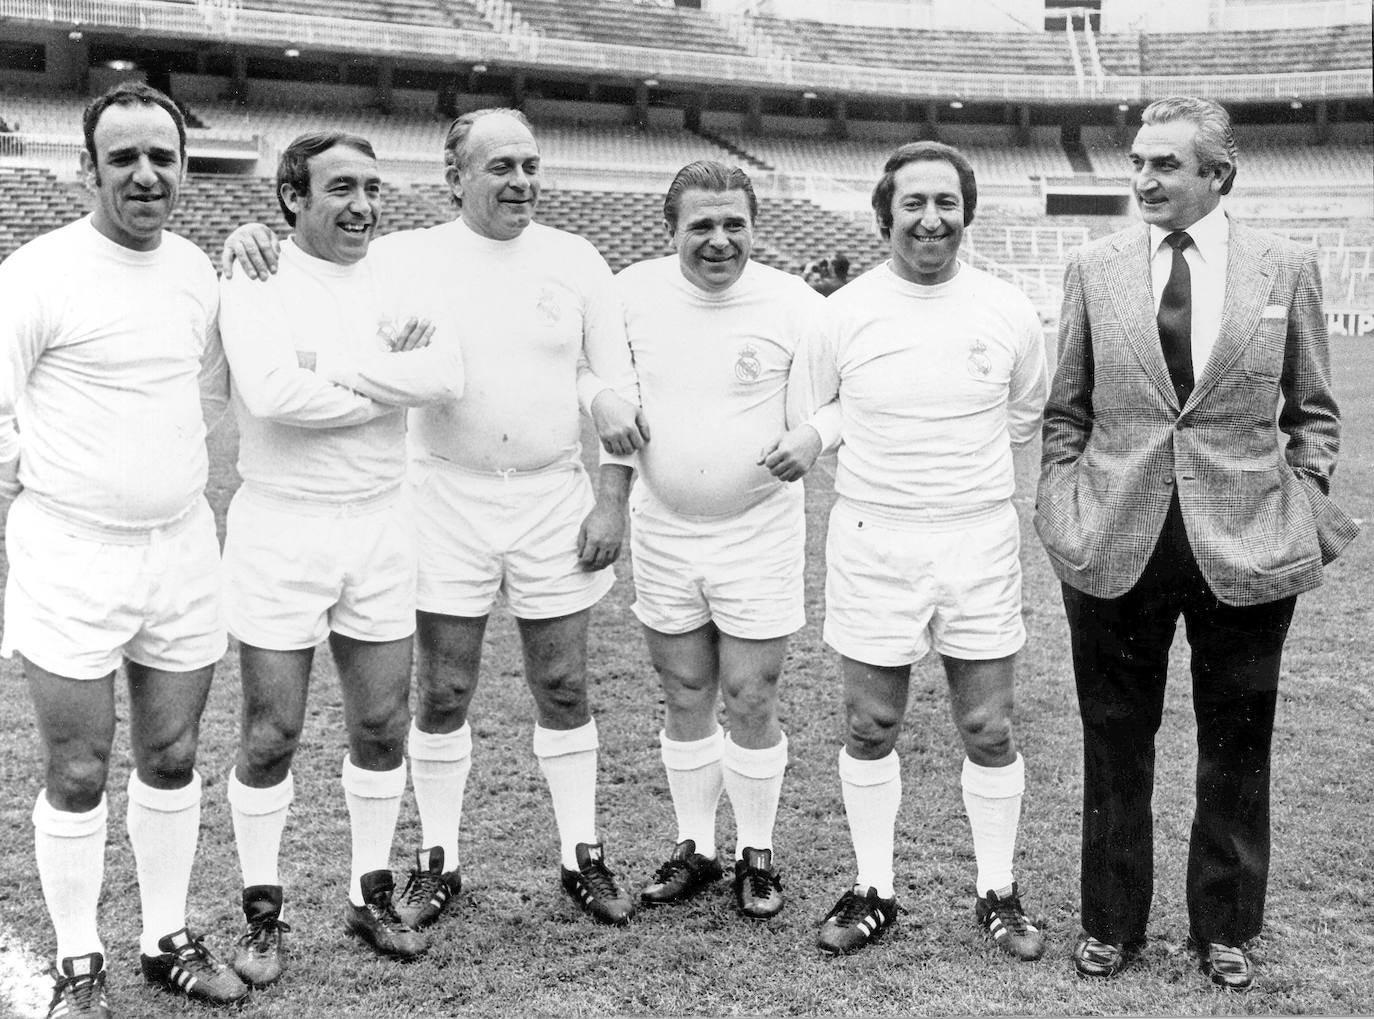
(1093, 958)
(1228, 967)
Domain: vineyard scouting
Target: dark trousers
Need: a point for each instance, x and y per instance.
(1120, 659)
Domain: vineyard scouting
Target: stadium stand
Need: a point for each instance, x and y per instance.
(861, 159)
(605, 177)
(1262, 52)
(440, 13)
(919, 50)
(612, 23)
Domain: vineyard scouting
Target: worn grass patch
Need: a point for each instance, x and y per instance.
(515, 945)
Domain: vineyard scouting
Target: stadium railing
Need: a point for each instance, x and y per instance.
(157, 17)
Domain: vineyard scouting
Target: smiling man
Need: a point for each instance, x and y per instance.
(320, 539)
(938, 370)
(718, 534)
(504, 507)
(110, 358)
(1165, 490)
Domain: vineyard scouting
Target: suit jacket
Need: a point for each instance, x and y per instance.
(1117, 446)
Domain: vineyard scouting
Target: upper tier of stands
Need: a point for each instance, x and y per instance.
(622, 22)
(615, 22)
(439, 13)
(1268, 52)
(921, 50)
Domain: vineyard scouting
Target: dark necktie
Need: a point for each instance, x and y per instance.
(1175, 319)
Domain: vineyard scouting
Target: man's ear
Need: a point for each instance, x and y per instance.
(90, 176)
(290, 198)
(451, 175)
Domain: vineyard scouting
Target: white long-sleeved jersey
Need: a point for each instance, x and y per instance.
(111, 360)
(715, 374)
(523, 312)
(335, 433)
(935, 385)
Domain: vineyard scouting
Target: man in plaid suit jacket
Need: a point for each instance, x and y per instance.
(1165, 491)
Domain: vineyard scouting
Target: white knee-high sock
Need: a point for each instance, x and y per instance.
(164, 825)
(567, 757)
(374, 801)
(753, 781)
(695, 782)
(259, 817)
(992, 798)
(70, 849)
(872, 797)
(439, 767)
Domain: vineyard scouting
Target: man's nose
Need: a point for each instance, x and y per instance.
(143, 172)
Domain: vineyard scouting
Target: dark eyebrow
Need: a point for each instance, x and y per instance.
(133, 150)
(350, 179)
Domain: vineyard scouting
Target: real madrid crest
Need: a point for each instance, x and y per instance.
(547, 307)
(747, 366)
(978, 361)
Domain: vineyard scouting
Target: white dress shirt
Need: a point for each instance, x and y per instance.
(1206, 258)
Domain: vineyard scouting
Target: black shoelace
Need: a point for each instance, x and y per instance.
(761, 882)
(84, 990)
(669, 870)
(420, 887)
(600, 880)
(387, 917)
(261, 931)
(853, 909)
(1011, 914)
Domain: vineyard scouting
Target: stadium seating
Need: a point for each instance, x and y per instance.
(440, 13)
(1266, 52)
(861, 159)
(920, 50)
(614, 23)
(627, 226)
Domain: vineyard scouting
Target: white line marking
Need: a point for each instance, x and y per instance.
(24, 986)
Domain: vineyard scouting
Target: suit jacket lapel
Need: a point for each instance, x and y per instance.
(1247, 289)
(1128, 282)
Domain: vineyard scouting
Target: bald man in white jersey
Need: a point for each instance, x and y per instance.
(503, 505)
(718, 532)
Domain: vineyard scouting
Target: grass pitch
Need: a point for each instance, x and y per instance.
(513, 944)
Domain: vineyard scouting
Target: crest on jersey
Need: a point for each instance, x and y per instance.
(748, 367)
(547, 308)
(979, 363)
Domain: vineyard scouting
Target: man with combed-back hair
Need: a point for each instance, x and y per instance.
(718, 532)
(938, 370)
(503, 505)
(110, 360)
(324, 357)
(1165, 491)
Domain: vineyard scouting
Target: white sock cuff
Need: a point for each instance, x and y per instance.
(166, 801)
(66, 824)
(866, 773)
(439, 746)
(766, 762)
(255, 802)
(560, 742)
(994, 783)
(689, 755)
(373, 785)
